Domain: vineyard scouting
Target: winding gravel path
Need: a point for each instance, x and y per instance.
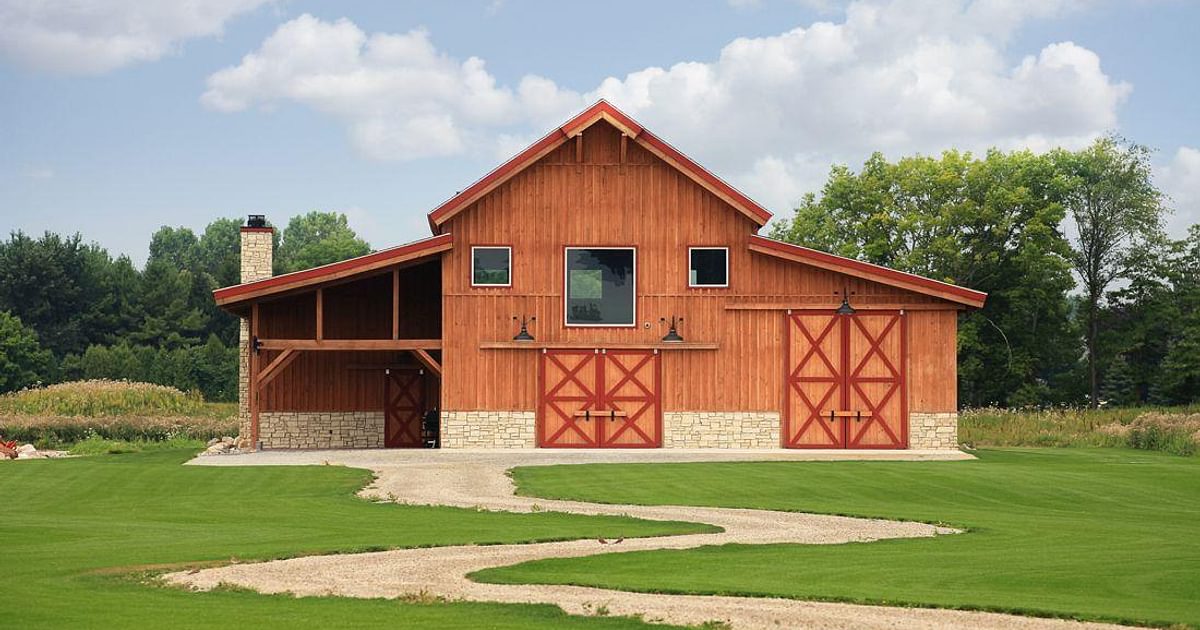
(478, 479)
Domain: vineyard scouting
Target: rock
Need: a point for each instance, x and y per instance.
(26, 448)
(30, 455)
(213, 441)
(227, 440)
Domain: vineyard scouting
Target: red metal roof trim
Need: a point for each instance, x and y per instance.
(524, 158)
(382, 255)
(976, 298)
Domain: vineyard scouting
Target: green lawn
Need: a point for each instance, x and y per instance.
(1097, 534)
(65, 522)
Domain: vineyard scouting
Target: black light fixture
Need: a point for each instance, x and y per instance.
(256, 344)
(256, 221)
(524, 335)
(672, 335)
(845, 308)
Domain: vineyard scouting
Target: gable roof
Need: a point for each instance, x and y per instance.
(602, 110)
(424, 248)
(868, 271)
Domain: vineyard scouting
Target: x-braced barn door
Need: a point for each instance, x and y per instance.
(599, 398)
(845, 380)
(404, 407)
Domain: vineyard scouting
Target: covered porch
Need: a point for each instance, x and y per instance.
(347, 355)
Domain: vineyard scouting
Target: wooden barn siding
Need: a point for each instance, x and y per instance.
(647, 204)
(933, 361)
(362, 309)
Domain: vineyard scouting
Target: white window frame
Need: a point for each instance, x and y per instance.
(707, 286)
(510, 265)
(566, 286)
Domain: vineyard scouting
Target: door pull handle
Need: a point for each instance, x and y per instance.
(587, 415)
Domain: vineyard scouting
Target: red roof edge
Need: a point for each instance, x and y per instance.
(518, 162)
(970, 297)
(284, 281)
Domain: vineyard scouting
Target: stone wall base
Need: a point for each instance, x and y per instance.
(720, 429)
(321, 429)
(933, 430)
(489, 429)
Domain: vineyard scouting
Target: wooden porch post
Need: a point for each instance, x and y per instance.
(320, 314)
(253, 385)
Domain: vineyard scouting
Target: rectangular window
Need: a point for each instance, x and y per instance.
(708, 267)
(491, 266)
(600, 286)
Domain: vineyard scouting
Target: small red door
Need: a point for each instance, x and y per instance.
(845, 380)
(404, 407)
(597, 398)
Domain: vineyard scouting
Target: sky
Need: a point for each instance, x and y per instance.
(120, 116)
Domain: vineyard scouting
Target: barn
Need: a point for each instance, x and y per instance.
(598, 290)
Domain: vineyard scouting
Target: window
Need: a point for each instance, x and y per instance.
(708, 267)
(600, 286)
(491, 266)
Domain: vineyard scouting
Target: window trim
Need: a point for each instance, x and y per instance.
(566, 286)
(471, 267)
(689, 268)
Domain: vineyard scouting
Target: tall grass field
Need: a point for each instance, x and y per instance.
(104, 414)
(1173, 430)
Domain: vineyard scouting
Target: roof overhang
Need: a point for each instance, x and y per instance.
(229, 297)
(867, 271)
(601, 111)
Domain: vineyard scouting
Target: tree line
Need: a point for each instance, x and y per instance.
(70, 310)
(1088, 300)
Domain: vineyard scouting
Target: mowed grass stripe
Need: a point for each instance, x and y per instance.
(67, 523)
(1094, 534)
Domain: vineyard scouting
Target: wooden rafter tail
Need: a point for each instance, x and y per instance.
(428, 361)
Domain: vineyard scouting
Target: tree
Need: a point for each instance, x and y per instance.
(23, 361)
(1112, 200)
(991, 224)
(317, 238)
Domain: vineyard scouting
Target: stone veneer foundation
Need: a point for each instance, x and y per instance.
(321, 429)
(489, 429)
(933, 430)
(720, 429)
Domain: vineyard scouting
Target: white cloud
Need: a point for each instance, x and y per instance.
(771, 113)
(1180, 178)
(95, 36)
(38, 173)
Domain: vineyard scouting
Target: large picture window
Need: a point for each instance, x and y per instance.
(601, 286)
(491, 266)
(708, 267)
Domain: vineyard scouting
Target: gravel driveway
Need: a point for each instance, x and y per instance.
(478, 479)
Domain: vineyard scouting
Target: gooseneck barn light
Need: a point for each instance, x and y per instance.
(524, 335)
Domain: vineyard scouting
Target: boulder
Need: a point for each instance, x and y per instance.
(26, 449)
(30, 455)
(213, 441)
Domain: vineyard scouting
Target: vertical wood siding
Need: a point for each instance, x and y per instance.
(646, 204)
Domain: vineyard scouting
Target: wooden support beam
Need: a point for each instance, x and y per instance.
(428, 361)
(352, 344)
(624, 151)
(276, 367)
(395, 303)
(320, 313)
(828, 306)
(579, 153)
(252, 385)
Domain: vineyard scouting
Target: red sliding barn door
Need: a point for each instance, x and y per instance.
(597, 398)
(876, 348)
(631, 409)
(570, 398)
(845, 380)
(815, 380)
(404, 407)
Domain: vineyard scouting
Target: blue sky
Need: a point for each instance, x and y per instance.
(118, 117)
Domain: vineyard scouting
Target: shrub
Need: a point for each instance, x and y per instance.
(58, 432)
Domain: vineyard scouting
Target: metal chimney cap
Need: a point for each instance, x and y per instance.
(256, 221)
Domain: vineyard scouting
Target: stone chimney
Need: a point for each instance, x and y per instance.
(256, 260)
